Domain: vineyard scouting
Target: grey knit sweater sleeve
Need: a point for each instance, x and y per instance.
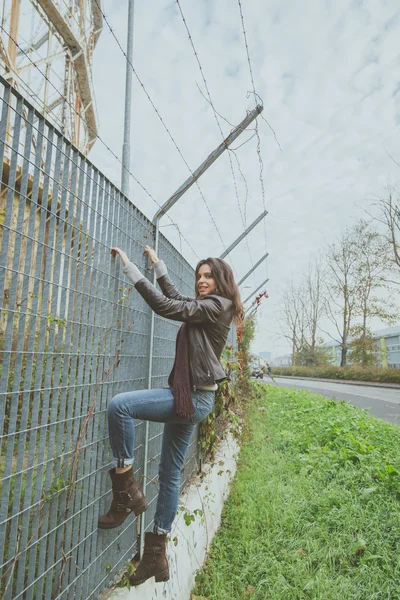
(160, 269)
(133, 273)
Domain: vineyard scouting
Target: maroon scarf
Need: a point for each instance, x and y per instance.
(179, 379)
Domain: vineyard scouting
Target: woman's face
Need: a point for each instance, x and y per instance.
(205, 283)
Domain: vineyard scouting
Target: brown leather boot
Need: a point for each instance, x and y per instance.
(154, 561)
(127, 497)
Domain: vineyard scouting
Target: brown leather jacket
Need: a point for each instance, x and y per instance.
(209, 318)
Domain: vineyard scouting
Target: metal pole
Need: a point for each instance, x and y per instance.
(149, 376)
(211, 158)
(150, 372)
(126, 157)
(235, 133)
(243, 235)
(256, 290)
(252, 305)
(252, 269)
(126, 148)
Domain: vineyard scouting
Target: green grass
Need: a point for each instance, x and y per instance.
(314, 509)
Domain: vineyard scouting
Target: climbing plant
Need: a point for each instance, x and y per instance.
(231, 393)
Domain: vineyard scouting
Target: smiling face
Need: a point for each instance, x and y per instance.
(205, 283)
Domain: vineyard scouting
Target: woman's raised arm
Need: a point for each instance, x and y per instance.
(167, 286)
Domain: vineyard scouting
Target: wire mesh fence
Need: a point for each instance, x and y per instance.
(72, 335)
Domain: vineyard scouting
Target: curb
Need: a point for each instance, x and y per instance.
(392, 386)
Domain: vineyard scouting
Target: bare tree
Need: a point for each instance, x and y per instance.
(389, 209)
(302, 310)
(373, 251)
(357, 285)
(341, 288)
(314, 298)
(292, 318)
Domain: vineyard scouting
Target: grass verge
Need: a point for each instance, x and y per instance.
(349, 373)
(313, 512)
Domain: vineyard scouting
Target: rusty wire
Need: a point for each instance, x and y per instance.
(217, 116)
(258, 147)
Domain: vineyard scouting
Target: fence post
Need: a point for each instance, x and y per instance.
(256, 290)
(211, 158)
(243, 235)
(252, 269)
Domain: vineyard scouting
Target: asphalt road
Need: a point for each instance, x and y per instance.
(380, 401)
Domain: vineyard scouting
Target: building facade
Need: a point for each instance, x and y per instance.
(387, 348)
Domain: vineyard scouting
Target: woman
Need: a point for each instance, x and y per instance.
(188, 400)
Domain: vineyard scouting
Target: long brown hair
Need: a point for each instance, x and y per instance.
(226, 285)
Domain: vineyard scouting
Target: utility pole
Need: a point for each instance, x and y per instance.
(126, 148)
(243, 235)
(252, 269)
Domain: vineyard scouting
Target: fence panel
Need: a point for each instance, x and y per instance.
(73, 333)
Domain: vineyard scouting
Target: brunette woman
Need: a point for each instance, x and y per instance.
(188, 399)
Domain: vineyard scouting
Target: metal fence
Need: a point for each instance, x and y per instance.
(72, 335)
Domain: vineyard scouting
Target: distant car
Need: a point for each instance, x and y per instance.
(257, 373)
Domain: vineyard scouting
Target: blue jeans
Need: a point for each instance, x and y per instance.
(157, 405)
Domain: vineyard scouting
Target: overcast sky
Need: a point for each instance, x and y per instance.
(329, 76)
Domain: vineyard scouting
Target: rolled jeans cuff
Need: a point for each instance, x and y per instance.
(160, 531)
(120, 463)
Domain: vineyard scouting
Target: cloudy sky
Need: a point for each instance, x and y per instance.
(329, 76)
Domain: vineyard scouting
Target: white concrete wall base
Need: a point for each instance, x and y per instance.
(207, 493)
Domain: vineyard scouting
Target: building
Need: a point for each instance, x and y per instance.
(257, 361)
(387, 347)
(282, 361)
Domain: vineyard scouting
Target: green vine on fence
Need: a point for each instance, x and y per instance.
(231, 394)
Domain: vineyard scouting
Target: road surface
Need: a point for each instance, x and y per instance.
(380, 401)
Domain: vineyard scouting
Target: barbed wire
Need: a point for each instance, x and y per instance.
(245, 186)
(97, 135)
(240, 145)
(260, 160)
(244, 215)
(251, 71)
(161, 119)
(261, 167)
(217, 116)
(216, 112)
